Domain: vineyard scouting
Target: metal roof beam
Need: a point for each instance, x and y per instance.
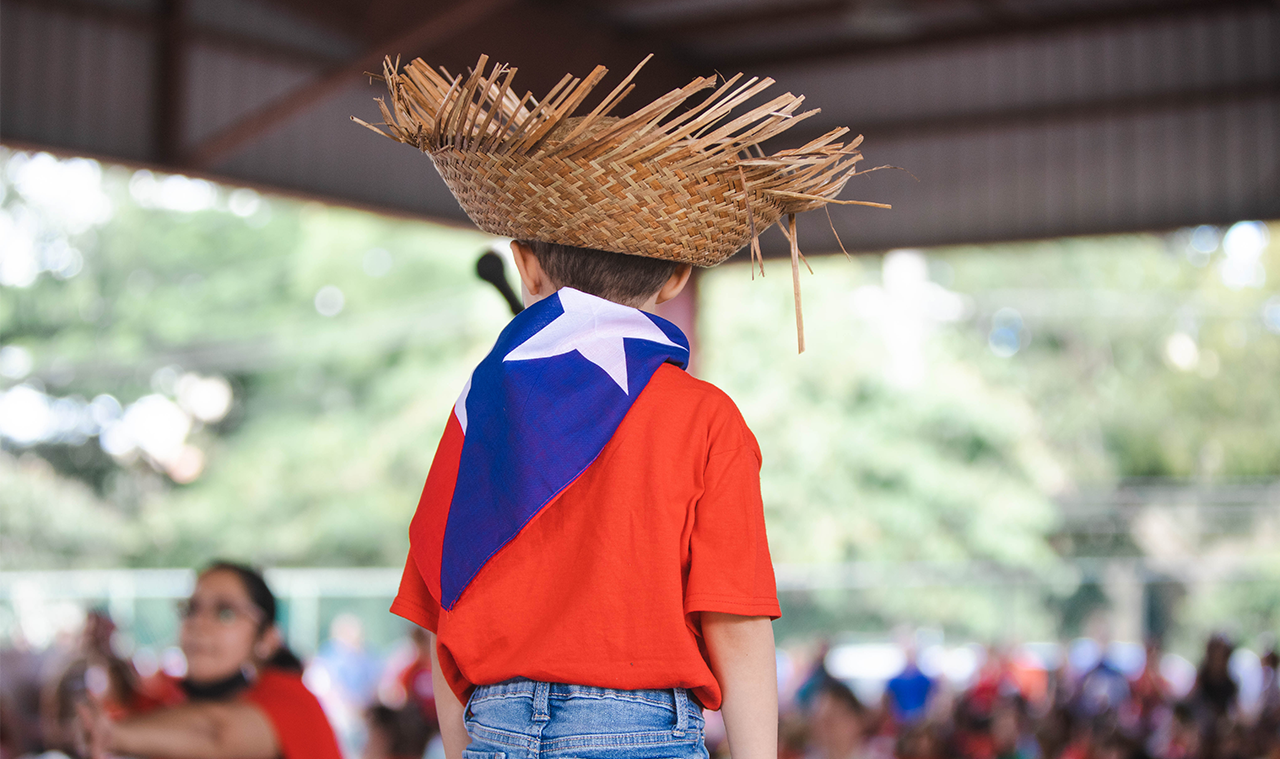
(1008, 26)
(460, 16)
(219, 38)
(739, 20)
(1103, 108)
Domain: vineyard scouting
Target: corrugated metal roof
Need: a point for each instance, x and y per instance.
(1135, 126)
(1032, 122)
(71, 82)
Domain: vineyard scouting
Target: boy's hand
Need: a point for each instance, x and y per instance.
(742, 659)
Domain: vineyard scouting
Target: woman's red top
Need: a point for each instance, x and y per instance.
(302, 730)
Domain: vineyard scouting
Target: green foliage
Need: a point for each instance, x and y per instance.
(1099, 315)
(860, 466)
(1242, 603)
(50, 522)
(961, 466)
(335, 418)
(857, 467)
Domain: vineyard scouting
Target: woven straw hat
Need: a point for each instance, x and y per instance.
(692, 187)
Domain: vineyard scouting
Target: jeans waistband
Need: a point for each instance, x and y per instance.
(541, 693)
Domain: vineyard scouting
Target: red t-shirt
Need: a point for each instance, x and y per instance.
(302, 730)
(604, 586)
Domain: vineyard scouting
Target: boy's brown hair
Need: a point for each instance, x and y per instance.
(618, 277)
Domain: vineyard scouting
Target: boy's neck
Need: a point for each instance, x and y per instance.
(535, 284)
(529, 299)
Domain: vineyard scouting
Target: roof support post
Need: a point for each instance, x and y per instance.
(170, 83)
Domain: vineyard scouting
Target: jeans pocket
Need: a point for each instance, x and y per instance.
(469, 754)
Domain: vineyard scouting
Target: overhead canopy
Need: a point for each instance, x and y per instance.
(1012, 118)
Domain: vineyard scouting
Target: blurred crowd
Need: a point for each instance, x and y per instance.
(1013, 711)
(382, 705)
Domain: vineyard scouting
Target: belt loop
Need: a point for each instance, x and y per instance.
(682, 711)
(541, 701)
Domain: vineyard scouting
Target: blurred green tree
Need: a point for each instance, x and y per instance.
(945, 402)
(337, 403)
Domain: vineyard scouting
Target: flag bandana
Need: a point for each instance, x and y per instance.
(534, 415)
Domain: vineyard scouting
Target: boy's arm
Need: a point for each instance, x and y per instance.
(453, 731)
(742, 659)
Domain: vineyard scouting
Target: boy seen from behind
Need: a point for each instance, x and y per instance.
(589, 550)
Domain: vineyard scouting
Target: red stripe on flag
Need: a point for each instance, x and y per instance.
(426, 532)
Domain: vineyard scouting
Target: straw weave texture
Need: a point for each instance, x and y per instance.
(689, 186)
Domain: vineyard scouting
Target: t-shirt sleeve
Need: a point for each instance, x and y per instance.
(730, 569)
(414, 601)
(301, 727)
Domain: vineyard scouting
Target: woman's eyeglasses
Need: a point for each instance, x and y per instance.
(224, 612)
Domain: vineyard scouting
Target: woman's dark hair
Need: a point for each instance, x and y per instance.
(260, 596)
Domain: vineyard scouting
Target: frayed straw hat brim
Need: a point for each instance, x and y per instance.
(691, 186)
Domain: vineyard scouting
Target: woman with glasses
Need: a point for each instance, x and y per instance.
(245, 697)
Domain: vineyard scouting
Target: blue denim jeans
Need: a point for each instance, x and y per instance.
(524, 719)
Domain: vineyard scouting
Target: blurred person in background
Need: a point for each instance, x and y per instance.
(838, 723)
(1178, 738)
(1236, 741)
(407, 682)
(21, 669)
(244, 693)
(793, 736)
(1151, 692)
(920, 740)
(975, 709)
(346, 679)
(1269, 700)
(1054, 729)
(1103, 690)
(1114, 744)
(1267, 727)
(109, 678)
(816, 676)
(1213, 697)
(405, 719)
(393, 734)
(1214, 694)
(1012, 733)
(906, 695)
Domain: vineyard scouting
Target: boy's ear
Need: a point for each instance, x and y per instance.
(534, 281)
(675, 283)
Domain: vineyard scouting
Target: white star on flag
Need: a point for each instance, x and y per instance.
(460, 408)
(594, 327)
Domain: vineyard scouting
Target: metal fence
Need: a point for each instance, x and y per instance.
(37, 606)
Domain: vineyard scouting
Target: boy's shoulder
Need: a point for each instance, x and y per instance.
(678, 386)
(688, 406)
